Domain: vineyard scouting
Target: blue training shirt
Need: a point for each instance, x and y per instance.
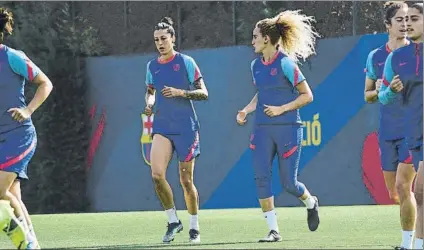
(391, 115)
(407, 62)
(173, 115)
(16, 69)
(276, 85)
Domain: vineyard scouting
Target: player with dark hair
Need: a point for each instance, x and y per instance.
(281, 91)
(173, 81)
(397, 167)
(18, 137)
(403, 78)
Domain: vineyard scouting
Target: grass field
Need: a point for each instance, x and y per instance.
(351, 227)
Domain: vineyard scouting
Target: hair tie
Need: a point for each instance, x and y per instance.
(280, 28)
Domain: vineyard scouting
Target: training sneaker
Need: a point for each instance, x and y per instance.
(173, 229)
(313, 217)
(194, 236)
(273, 236)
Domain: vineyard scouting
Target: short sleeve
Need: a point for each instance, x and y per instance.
(22, 65)
(193, 70)
(369, 67)
(291, 71)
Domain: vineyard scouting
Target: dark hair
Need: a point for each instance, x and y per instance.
(391, 8)
(292, 31)
(166, 24)
(418, 6)
(6, 17)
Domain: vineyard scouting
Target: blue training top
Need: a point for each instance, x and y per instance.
(276, 82)
(407, 62)
(391, 115)
(173, 115)
(16, 69)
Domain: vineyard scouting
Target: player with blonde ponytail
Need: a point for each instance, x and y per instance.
(281, 91)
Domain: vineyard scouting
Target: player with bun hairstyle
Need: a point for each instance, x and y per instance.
(18, 138)
(173, 82)
(403, 79)
(281, 91)
(396, 160)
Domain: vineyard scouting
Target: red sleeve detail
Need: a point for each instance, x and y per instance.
(197, 74)
(296, 76)
(30, 71)
(385, 82)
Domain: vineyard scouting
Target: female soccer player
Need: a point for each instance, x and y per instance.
(169, 80)
(397, 166)
(281, 91)
(403, 76)
(17, 134)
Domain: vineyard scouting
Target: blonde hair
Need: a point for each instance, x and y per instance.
(293, 32)
(6, 17)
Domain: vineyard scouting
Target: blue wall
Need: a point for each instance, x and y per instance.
(331, 157)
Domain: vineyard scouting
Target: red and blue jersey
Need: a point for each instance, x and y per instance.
(16, 69)
(407, 62)
(276, 82)
(391, 115)
(173, 115)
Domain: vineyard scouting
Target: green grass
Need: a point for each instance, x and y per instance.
(353, 227)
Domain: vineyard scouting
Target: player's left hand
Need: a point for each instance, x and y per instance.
(378, 84)
(272, 111)
(20, 114)
(171, 92)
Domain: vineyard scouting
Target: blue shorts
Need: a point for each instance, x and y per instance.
(417, 156)
(16, 150)
(393, 152)
(187, 145)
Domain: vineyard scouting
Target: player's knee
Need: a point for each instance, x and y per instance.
(394, 196)
(263, 185)
(403, 190)
(294, 188)
(3, 193)
(17, 195)
(158, 176)
(186, 183)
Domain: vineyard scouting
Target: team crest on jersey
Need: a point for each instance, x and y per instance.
(146, 137)
(176, 67)
(274, 71)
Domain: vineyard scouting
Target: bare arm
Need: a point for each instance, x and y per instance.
(199, 94)
(371, 90)
(305, 97)
(44, 89)
(251, 107)
(150, 96)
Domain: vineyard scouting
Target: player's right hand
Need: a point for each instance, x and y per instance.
(378, 84)
(241, 117)
(148, 110)
(396, 85)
